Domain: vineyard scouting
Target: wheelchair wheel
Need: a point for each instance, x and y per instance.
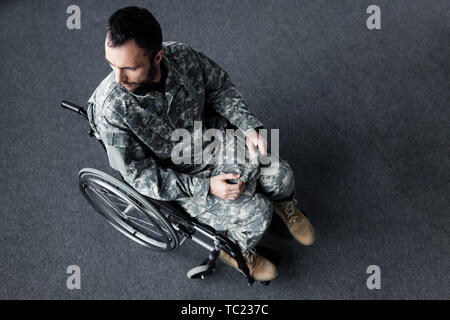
(200, 272)
(127, 210)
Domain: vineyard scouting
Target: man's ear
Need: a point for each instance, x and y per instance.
(158, 56)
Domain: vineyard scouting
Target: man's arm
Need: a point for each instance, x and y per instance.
(139, 169)
(223, 96)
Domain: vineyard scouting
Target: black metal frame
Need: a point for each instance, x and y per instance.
(187, 226)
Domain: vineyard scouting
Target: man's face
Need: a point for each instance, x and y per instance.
(130, 64)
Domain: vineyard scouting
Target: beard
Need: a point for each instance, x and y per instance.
(138, 85)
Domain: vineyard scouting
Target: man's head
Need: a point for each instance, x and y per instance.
(133, 46)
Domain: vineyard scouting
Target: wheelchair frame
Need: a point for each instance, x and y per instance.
(174, 217)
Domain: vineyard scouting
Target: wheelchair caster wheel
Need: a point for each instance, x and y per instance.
(266, 283)
(200, 272)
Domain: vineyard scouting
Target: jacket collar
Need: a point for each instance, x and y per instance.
(174, 81)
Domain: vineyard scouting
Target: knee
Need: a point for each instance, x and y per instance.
(281, 180)
(249, 230)
(257, 212)
(286, 174)
(287, 179)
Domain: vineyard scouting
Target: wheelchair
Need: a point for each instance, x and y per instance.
(154, 224)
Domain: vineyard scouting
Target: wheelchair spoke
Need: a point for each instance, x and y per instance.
(150, 224)
(109, 202)
(127, 211)
(137, 219)
(160, 226)
(112, 203)
(124, 215)
(142, 221)
(116, 200)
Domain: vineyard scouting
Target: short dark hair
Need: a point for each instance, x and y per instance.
(138, 24)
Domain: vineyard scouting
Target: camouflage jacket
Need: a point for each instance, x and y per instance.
(136, 130)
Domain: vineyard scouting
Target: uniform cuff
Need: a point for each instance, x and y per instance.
(246, 132)
(201, 188)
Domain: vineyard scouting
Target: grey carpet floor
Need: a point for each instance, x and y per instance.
(363, 118)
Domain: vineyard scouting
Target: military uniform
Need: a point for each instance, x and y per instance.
(137, 131)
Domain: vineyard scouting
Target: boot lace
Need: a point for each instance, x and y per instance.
(250, 256)
(288, 209)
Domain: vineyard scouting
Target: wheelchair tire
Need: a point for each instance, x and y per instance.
(200, 272)
(127, 210)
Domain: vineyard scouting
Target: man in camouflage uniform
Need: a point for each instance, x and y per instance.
(158, 88)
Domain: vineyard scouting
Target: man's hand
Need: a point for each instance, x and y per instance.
(254, 141)
(219, 187)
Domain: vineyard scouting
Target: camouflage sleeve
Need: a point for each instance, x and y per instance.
(139, 169)
(222, 94)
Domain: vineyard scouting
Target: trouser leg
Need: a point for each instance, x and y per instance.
(278, 183)
(245, 223)
(249, 225)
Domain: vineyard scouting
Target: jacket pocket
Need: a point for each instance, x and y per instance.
(122, 148)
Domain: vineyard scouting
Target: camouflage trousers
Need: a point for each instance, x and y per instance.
(247, 218)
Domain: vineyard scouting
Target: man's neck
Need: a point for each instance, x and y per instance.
(157, 76)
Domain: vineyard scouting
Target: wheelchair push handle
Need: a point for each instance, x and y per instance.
(80, 110)
(75, 108)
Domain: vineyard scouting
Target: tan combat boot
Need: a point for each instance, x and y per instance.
(260, 268)
(298, 225)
